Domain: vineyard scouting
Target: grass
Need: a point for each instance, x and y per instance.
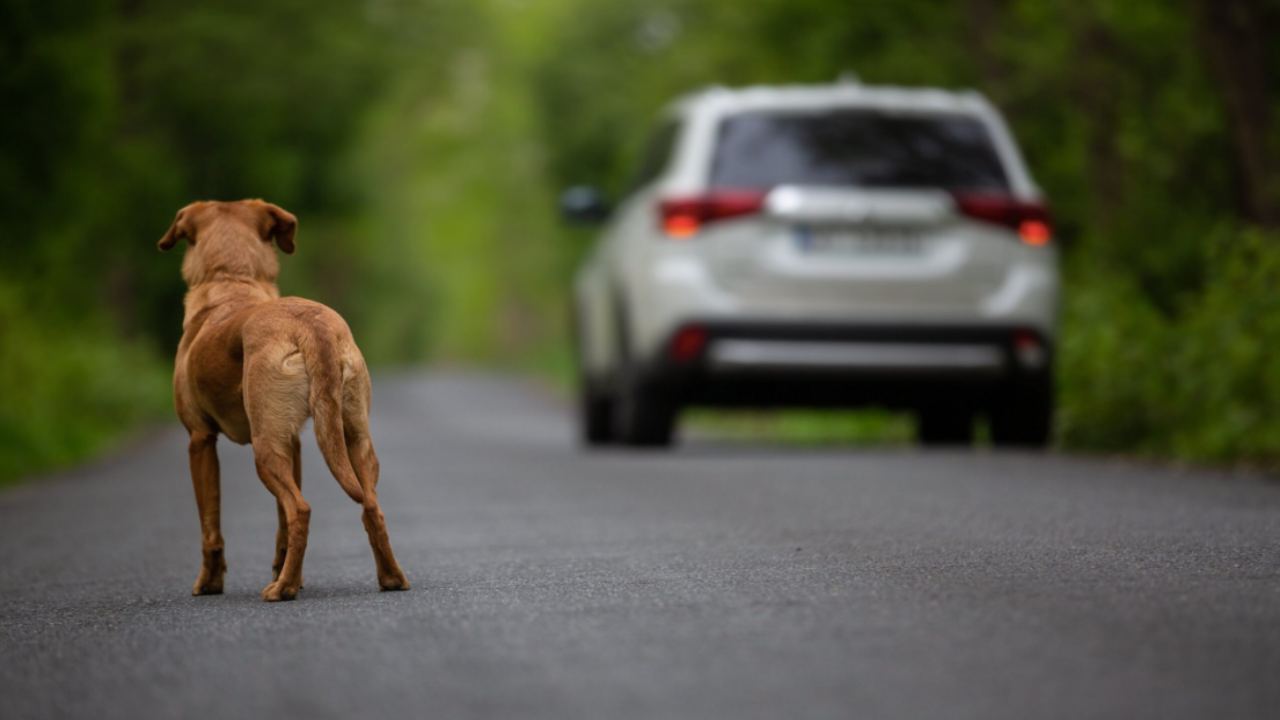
(804, 427)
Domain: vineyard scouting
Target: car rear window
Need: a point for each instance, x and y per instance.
(858, 148)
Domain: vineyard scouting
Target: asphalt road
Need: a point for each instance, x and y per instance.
(721, 581)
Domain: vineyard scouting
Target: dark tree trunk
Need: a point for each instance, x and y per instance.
(1233, 36)
(1090, 86)
(984, 24)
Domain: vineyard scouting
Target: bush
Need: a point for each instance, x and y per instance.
(1200, 383)
(69, 391)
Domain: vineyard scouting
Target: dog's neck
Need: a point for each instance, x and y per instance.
(224, 294)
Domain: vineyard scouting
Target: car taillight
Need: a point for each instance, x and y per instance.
(688, 343)
(682, 217)
(1029, 349)
(1029, 219)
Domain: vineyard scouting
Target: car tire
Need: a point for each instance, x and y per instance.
(595, 416)
(645, 415)
(595, 405)
(1023, 415)
(944, 426)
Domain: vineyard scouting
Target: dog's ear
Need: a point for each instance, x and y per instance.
(181, 229)
(282, 226)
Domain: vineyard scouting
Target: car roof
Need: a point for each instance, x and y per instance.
(723, 100)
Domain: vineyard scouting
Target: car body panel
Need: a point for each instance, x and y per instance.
(813, 255)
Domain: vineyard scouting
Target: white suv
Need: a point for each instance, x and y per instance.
(833, 245)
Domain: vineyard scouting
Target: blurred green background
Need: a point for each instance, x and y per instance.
(422, 144)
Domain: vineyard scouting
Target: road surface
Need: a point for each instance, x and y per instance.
(721, 581)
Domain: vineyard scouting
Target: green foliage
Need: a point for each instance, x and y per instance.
(117, 114)
(1201, 384)
(422, 143)
(1231, 334)
(68, 394)
(453, 196)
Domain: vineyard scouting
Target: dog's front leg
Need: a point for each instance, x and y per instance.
(203, 453)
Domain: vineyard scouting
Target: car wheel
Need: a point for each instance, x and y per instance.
(645, 415)
(1023, 415)
(944, 426)
(595, 416)
(595, 405)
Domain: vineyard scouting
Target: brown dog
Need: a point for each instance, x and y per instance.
(254, 366)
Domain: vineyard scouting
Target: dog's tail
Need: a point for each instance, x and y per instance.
(325, 371)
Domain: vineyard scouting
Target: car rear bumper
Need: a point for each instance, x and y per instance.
(772, 356)
(822, 365)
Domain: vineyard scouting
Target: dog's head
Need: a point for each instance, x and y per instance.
(231, 238)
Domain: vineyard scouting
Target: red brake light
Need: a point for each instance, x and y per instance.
(1029, 349)
(1029, 219)
(682, 217)
(1035, 232)
(1025, 340)
(687, 344)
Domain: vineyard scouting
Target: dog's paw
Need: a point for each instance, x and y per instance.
(277, 592)
(394, 581)
(207, 588)
(207, 584)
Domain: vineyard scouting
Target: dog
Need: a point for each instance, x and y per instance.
(254, 366)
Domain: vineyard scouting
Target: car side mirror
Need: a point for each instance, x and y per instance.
(584, 205)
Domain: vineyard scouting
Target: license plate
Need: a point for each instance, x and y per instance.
(879, 242)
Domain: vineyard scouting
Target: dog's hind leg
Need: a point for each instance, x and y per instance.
(275, 392)
(364, 461)
(274, 462)
(282, 527)
(203, 454)
(282, 541)
(390, 576)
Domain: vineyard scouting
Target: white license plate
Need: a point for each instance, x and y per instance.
(880, 242)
